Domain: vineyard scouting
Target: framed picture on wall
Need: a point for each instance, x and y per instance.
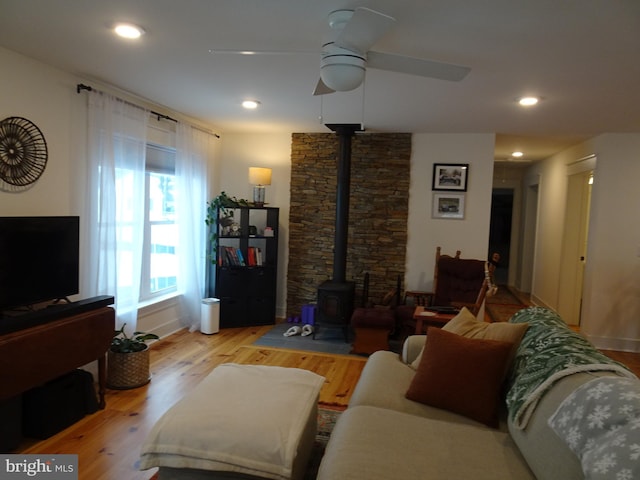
(448, 205)
(450, 176)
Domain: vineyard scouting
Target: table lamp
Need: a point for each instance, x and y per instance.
(259, 177)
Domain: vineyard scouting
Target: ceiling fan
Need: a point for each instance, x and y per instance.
(346, 53)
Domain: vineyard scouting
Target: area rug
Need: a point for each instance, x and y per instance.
(328, 340)
(503, 305)
(327, 417)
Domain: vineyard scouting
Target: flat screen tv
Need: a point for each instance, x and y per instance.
(39, 260)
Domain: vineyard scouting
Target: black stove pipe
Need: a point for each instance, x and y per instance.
(345, 133)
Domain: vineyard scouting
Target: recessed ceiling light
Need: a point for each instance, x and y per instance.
(517, 154)
(128, 30)
(528, 101)
(250, 104)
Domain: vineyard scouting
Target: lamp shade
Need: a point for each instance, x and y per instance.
(259, 176)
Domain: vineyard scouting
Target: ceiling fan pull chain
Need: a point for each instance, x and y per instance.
(364, 84)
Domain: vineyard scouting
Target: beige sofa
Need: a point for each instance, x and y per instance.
(384, 435)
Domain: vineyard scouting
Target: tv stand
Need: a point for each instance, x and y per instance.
(43, 352)
(20, 320)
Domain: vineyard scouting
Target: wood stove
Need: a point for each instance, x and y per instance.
(335, 305)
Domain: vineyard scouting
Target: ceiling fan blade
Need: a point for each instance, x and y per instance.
(216, 51)
(417, 66)
(364, 29)
(322, 89)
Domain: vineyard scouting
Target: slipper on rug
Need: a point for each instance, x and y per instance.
(307, 330)
(293, 331)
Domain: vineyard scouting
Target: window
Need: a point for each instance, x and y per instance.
(159, 262)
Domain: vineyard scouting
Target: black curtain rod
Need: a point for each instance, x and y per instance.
(81, 86)
(166, 117)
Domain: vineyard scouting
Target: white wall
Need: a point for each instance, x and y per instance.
(551, 176)
(238, 153)
(470, 235)
(611, 294)
(611, 307)
(44, 96)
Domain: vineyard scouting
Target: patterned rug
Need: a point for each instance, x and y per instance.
(503, 305)
(327, 417)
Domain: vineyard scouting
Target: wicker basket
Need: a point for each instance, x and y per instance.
(128, 370)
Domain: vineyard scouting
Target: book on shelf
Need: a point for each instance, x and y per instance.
(254, 255)
(232, 256)
(240, 258)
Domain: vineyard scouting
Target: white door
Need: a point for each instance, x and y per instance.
(574, 248)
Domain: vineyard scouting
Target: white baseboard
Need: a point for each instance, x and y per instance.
(162, 318)
(619, 344)
(167, 329)
(602, 343)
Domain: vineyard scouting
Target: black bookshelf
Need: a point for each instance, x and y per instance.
(244, 265)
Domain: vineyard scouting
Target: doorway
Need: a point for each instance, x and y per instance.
(527, 254)
(500, 231)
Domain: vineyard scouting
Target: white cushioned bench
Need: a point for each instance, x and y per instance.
(241, 421)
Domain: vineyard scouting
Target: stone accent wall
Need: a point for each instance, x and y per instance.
(378, 210)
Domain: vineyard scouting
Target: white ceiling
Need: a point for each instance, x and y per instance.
(581, 56)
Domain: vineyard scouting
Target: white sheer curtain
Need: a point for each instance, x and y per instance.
(193, 147)
(114, 208)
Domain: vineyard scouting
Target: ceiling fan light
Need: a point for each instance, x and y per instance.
(342, 77)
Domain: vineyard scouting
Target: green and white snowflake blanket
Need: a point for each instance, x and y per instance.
(548, 352)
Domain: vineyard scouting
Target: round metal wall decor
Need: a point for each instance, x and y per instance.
(23, 152)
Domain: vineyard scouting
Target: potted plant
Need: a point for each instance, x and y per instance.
(128, 360)
(221, 208)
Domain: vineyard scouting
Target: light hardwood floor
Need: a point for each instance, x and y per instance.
(108, 442)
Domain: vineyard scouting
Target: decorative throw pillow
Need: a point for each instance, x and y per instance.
(462, 375)
(467, 325)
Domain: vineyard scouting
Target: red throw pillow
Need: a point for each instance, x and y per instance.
(462, 375)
